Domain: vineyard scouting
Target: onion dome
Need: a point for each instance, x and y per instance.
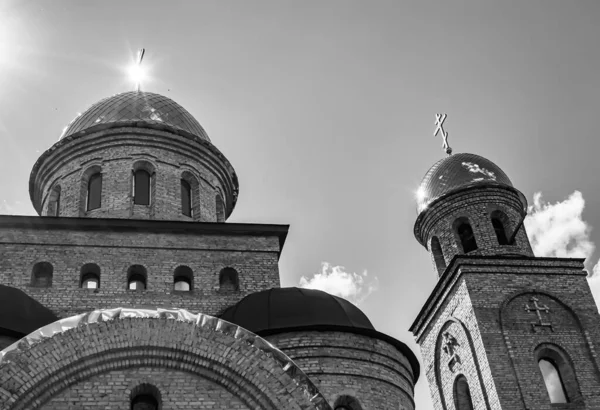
(136, 108)
(282, 310)
(456, 172)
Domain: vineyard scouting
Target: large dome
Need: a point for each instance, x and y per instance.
(277, 309)
(137, 108)
(455, 172)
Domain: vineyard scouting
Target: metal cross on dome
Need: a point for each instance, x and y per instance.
(439, 127)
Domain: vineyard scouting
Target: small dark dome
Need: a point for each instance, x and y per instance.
(139, 108)
(455, 172)
(277, 309)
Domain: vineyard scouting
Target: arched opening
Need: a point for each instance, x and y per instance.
(54, 202)
(41, 275)
(465, 235)
(145, 397)
(438, 256)
(462, 394)
(183, 279)
(500, 222)
(220, 208)
(186, 198)
(94, 192)
(141, 187)
(136, 278)
(228, 280)
(346, 402)
(90, 276)
(553, 381)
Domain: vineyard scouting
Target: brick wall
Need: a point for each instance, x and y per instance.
(206, 250)
(370, 370)
(116, 153)
(175, 357)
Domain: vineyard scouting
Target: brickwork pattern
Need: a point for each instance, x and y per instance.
(254, 257)
(489, 296)
(50, 374)
(476, 204)
(116, 153)
(370, 370)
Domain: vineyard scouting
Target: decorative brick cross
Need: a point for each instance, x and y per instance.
(538, 309)
(449, 348)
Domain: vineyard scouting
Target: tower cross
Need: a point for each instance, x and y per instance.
(538, 309)
(140, 57)
(439, 128)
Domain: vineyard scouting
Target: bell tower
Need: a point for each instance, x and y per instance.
(502, 329)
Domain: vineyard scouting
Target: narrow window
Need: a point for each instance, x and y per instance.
(141, 187)
(553, 381)
(346, 402)
(90, 276)
(183, 278)
(54, 202)
(186, 198)
(462, 394)
(466, 235)
(220, 208)
(41, 275)
(438, 256)
(500, 232)
(136, 278)
(57, 204)
(94, 191)
(228, 280)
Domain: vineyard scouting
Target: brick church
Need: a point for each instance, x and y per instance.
(131, 292)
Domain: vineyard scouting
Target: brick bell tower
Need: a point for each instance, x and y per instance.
(502, 329)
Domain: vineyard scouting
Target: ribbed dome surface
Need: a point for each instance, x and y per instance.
(289, 308)
(455, 172)
(135, 107)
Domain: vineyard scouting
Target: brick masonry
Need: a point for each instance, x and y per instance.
(175, 357)
(370, 370)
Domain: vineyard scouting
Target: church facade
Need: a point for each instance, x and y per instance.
(129, 290)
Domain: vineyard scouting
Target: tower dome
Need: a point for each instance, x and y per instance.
(137, 108)
(466, 204)
(456, 172)
(134, 155)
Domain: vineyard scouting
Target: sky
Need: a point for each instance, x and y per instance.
(326, 111)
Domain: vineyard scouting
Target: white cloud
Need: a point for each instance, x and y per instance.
(352, 286)
(16, 208)
(559, 230)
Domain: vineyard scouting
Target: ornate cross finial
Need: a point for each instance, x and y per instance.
(439, 127)
(136, 71)
(538, 309)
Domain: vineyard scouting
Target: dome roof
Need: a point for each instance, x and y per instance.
(136, 108)
(273, 310)
(455, 172)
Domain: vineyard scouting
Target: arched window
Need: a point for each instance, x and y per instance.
(500, 222)
(41, 275)
(54, 202)
(228, 280)
(145, 397)
(438, 256)
(462, 394)
(220, 208)
(136, 278)
(553, 381)
(183, 279)
(186, 198)
(90, 276)
(141, 187)
(94, 192)
(465, 235)
(346, 402)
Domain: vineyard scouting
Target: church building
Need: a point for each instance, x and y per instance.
(131, 291)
